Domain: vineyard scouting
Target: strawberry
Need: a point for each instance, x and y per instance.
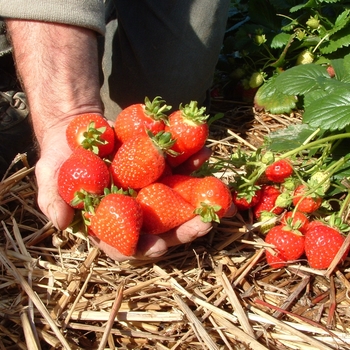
(305, 57)
(163, 208)
(139, 117)
(322, 243)
(83, 172)
(246, 200)
(256, 79)
(211, 198)
(182, 184)
(91, 131)
(188, 126)
(267, 202)
(306, 203)
(278, 171)
(140, 160)
(118, 221)
(296, 220)
(289, 245)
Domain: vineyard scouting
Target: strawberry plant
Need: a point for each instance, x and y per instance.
(267, 38)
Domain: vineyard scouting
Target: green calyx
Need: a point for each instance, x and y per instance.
(92, 138)
(157, 109)
(163, 141)
(208, 213)
(191, 112)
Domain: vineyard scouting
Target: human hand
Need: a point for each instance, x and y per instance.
(152, 246)
(54, 151)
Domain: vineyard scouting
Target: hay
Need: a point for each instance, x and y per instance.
(215, 293)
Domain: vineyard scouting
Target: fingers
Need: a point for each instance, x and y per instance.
(149, 246)
(194, 162)
(187, 232)
(49, 201)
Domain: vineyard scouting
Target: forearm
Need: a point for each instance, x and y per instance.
(58, 67)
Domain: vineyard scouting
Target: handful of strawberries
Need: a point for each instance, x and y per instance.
(123, 179)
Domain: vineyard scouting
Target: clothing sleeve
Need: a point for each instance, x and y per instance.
(83, 13)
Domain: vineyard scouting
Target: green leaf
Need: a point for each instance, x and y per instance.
(273, 100)
(301, 79)
(314, 95)
(331, 113)
(289, 138)
(342, 72)
(308, 4)
(280, 40)
(338, 40)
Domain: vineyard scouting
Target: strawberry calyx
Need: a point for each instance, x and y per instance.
(192, 113)
(208, 213)
(92, 138)
(156, 109)
(163, 141)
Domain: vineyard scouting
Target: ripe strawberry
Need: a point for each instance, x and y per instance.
(267, 202)
(163, 208)
(289, 245)
(278, 171)
(306, 204)
(182, 184)
(188, 126)
(118, 221)
(331, 71)
(322, 243)
(211, 198)
(296, 220)
(93, 132)
(246, 200)
(83, 172)
(140, 160)
(139, 117)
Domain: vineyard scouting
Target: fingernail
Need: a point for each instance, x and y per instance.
(52, 213)
(152, 253)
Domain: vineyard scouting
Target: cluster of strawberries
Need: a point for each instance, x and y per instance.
(123, 179)
(275, 196)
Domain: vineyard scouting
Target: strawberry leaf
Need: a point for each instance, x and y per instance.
(301, 79)
(289, 138)
(271, 99)
(331, 113)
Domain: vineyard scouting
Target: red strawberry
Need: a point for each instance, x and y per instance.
(93, 132)
(246, 200)
(296, 220)
(212, 198)
(139, 117)
(118, 221)
(306, 204)
(182, 184)
(267, 202)
(82, 172)
(163, 208)
(289, 245)
(188, 126)
(322, 243)
(140, 160)
(278, 171)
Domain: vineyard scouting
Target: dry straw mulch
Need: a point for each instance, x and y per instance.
(57, 291)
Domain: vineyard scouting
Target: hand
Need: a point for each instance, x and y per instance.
(54, 151)
(152, 246)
